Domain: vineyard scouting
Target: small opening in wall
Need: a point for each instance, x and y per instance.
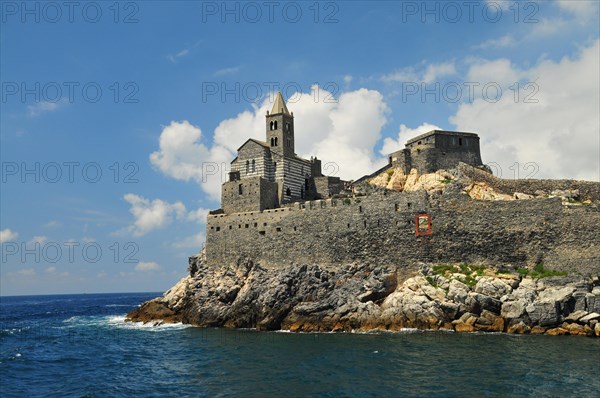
(348, 225)
(288, 192)
(212, 227)
(264, 224)
(261, 232)
(255, 224)
(396, 207)
(247, 226)
(409, 205)
(365, 223)
(218, 229)
(295, 228)
(419, 143)
(460, 141)
(230, 227)
(278, 229)
(360, 209)
(240, 226)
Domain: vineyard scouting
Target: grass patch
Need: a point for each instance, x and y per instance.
(469, 272)
(446, 181)
(539, 272)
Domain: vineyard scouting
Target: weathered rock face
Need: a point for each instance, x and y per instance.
(369, 297)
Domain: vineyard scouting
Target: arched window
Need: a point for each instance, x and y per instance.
(271, 125)
(288, 192)
(240, 189)
(275, 125)
(247, 166)
(253, 165)
(272, 140)
(287, 127)
(275, 137)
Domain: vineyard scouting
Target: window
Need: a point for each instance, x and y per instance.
(253, 165)
(275, 125)
(247, 166)
(275, 137)
(288, 192)
(271, 126)
(240, 189)
(460, 141)
(275, 167)
(272, 141)
(287, 127)
(360, 209)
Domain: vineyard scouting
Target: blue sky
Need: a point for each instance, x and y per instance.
(184, 83)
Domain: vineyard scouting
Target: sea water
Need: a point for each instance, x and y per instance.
(80, 346)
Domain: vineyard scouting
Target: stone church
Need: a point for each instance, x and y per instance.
(267, 174)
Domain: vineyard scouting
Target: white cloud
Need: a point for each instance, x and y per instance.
(198, 215)
(227, 71)
(436, 71)
(51, 270)
(6, 235)
(583, 10)
(193, 242)
(52, 224)
(151, 214)
(423, 73)
(27, 272)
(392, 145)
(559, 132)
(342, 133)
(42, 107)
(147, 266)
(177, 56)
(502, 42)
(37, 239)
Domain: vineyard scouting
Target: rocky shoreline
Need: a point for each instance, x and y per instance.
(355, 297)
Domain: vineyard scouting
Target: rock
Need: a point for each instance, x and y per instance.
(544, 312)
(574, 316)
(557, 332)
(513, 309)
(597, 329)
(518, 328)
(492, 287)
(576, 329)
(457, 291)
(522, 196)
(490, 322)
(481, 302)
(538, 330)
(593, 302)
(594, 316)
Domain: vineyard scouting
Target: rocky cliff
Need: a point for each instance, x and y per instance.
(458, 297)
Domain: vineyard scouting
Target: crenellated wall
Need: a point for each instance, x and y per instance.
(379, 229)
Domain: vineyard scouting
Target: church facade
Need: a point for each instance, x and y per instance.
(267, 174)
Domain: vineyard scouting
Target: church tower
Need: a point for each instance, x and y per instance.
(280, 128)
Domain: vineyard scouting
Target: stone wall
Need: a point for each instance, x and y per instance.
(249, 194)
(379, 229)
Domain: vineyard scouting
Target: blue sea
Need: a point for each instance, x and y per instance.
(80, 346)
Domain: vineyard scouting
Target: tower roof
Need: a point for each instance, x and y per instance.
(279, 105)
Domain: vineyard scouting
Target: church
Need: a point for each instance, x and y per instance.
(267, 174)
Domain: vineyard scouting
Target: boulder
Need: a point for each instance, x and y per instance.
(492, 287)
(557, 332)
(513, 309)
(544, 312)
(518, 328)
(594, 316)
(574, 316)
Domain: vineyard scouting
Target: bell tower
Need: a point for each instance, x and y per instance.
(280, 128)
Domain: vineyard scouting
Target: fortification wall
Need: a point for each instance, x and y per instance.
(379, 229)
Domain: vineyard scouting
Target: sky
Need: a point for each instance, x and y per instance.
(119, 119)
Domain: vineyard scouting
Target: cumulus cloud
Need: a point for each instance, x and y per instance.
(6, 235)
(424, 73)
(552, 124)
(342, 132)
(37, 239)
(147, 266)
(501, 42)
(394, 144)
(51, 270)
(151, 214)
(583, 10)
(43, 107)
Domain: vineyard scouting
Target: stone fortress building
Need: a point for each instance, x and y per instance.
(279, 209)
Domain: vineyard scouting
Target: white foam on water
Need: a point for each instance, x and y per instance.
(118, 321)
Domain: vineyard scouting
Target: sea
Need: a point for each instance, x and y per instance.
(80, 346)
